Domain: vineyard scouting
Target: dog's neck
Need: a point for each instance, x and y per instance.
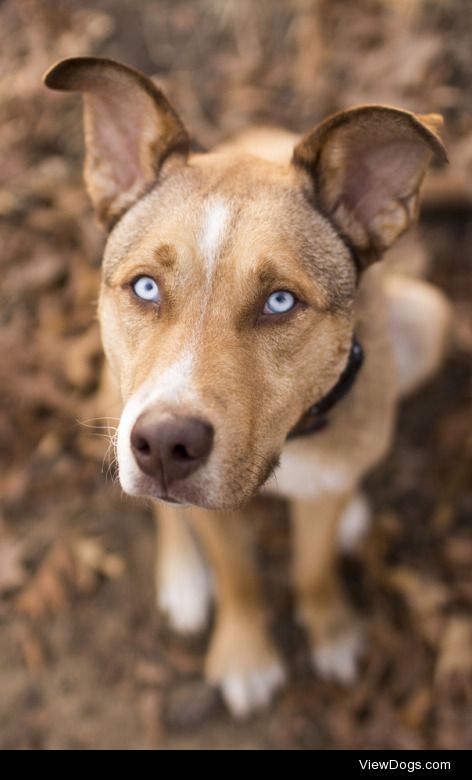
(315, 419)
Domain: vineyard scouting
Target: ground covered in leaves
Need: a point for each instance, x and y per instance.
(85, 661)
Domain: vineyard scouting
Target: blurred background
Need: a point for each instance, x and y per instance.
(85, 661)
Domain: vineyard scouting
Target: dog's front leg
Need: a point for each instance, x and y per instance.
(334, 630)
(241, 659)
(183, 580)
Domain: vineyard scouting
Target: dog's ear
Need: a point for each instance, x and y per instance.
(367, 165)
(130, 129)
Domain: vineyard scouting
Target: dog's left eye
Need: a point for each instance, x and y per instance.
(279, 302)
(146, 288)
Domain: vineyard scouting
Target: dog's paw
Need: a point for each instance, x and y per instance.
(338, 660)
(244, 665)
(336, 636)
(251, 690)
(184, 592)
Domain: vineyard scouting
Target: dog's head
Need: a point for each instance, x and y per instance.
(228, 289)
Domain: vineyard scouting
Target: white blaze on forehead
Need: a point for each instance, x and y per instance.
(216, 216)
(174, 385)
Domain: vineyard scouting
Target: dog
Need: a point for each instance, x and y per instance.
(257, 344)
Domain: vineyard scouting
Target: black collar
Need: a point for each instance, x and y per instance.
(314, 419)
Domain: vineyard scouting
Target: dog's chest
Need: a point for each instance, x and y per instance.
(305, 471)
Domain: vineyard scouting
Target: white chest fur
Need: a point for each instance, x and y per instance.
(305, 472)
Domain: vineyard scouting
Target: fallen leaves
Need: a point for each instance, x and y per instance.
(69, 569)
(453, 674)
(12, 570)
(425, 599)
(289, 64)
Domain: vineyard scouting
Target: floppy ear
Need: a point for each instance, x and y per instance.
(130, 129)
(367, 165)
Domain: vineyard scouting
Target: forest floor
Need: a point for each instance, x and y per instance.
(85, 659)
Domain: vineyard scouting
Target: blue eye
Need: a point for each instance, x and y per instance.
(279, 302)
(146, 289)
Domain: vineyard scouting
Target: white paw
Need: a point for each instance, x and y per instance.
(184, 593)
(354, 523)
(248, 691)
(338, 660)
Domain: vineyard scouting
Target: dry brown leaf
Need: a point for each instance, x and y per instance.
(31, 648)
(453, 674)
(70, 568)
(425, 597)
(458, 553)
(417, 708)
(47, 593)
(91, 555)
(150, 710)
(12, 571)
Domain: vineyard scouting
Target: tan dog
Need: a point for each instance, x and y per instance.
(233, 286)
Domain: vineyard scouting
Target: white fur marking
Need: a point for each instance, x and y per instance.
(354, 523)
(338, 660)
(127, 466)
(184, 590)
(303, 474)
(245, 692)
(173, 385)
(216, 214)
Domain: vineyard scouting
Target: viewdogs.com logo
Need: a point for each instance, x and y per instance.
(410, 766)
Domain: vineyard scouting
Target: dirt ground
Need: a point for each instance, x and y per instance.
(85, 660)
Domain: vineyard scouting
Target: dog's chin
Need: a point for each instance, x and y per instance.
(187, 493)
(140, 486)
(188, 497)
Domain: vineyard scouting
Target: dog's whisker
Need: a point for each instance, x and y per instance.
(91, 422)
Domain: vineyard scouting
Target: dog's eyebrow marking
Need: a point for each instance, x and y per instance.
(216, 216)
(165, 255)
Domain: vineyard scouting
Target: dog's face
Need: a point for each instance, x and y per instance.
(227, 299)
(248, 322)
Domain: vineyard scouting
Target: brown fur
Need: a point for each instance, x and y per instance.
(351, 189)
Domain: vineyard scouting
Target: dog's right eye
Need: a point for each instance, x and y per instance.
(146, 288)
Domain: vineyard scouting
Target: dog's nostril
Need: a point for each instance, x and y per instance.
(143, 447)
(180, 452)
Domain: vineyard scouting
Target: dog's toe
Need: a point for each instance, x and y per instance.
(338, 660)
(252, 690)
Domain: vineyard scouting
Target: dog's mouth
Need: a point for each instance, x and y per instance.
(168, 499)
(231, 493)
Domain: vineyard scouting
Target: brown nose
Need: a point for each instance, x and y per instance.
(174, 447)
